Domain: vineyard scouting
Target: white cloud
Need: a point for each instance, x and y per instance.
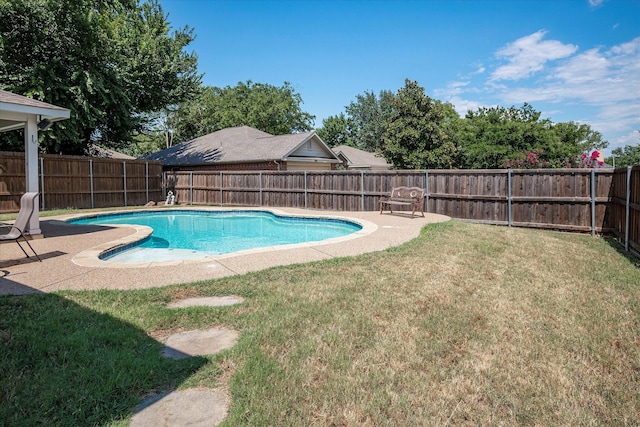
(596, 3)
(528, 55)
(593, 77)
(599, 87)
(632, 138)
(462, 106)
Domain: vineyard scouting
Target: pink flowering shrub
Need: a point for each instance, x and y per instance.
(586, 161)
(528, 160)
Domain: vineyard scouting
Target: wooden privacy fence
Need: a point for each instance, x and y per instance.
(585, 200)
(80, 182)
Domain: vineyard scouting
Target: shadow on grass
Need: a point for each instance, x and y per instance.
(619, 247)
(64, 364)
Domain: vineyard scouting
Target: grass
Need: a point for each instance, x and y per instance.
(466, 325)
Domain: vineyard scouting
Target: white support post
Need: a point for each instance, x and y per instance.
(31, 166)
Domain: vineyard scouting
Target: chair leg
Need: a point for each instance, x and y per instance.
(30, 247)
(22, 249)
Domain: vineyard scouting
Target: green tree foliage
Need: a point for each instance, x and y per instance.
(489, 136)
(275, 110)
(572, 140)
(338, 130)
(496, 137)
(629, 155)
(369, 114)
(112, 63)
(415, 136)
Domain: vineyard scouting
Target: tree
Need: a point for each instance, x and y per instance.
(337, 130)
(369, 114)
(415, 137)
(629, 155)
(572, 141)
(275, 110)
(112, 63)
(493, 135)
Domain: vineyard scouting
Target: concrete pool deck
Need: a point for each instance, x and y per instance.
(69, 254)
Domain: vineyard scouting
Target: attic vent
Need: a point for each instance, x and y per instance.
(308, 145)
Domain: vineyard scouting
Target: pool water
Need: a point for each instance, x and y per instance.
(198, 234)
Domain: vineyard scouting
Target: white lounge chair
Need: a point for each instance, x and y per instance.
(17, 229)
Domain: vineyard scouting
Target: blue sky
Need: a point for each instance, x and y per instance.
(575, 60)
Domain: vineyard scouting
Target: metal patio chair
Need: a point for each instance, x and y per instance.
(16, 230)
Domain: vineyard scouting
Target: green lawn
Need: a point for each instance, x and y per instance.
(466, 325)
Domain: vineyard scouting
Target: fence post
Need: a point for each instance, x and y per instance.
(593, 202)
(305, 189)
(362, 190)
(509, 213)
(627, 210)
(146, 169)
(42, 182)
(191, 188)
(426, 189)
(124, 170)
(91, 182)
(221, 188)
(164, 185)
(260, 177)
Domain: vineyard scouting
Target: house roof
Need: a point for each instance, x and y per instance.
(358, 158)
(97, 151)
(242, 144)
(15, 108)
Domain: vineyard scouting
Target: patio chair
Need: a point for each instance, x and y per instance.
(16, 231)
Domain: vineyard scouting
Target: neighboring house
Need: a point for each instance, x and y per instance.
(353, 158)
(246, 148)
(105, 153)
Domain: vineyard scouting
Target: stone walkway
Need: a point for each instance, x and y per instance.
(192, 407)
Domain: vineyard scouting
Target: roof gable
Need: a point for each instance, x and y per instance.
(15, 109)
(357, 158)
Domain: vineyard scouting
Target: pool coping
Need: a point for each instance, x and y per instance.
(62, 242)
(91, 257)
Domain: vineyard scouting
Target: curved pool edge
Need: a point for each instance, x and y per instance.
(91, 257)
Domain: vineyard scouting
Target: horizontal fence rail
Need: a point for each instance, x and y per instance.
(583, 200)
(80, 182)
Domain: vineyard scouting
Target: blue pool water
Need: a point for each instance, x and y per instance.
(181, 234)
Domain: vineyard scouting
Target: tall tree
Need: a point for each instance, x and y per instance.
(337, 130)
(415, 136)
(491, 136)
(275, 110)
(110, 62)
(629, 155)
(572, 140)
(369, 114)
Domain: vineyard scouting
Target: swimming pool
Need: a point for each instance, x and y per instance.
(193, 234)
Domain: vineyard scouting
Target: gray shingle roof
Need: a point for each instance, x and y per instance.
(359, 158)
(13, 98)
(233, 145)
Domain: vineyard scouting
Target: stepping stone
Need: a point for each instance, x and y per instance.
(199, 343)
(192, 407)
(206, 301)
